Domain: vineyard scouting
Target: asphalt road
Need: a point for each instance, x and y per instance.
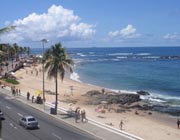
(50, 128)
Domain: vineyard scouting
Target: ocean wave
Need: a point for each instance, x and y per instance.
(91, 52)
(81, 54)
(166, 97)
(157, 100)
(115, 59)
(74, 76)
(152, 57)
(122, 57)
(143, 54)
(116, 54)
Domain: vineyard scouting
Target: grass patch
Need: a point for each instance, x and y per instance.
(12, 81)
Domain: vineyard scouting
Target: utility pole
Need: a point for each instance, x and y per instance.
(43, 88)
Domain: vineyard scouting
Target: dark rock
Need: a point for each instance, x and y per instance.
(119, 110)
(141, 92)
(149, 113)
(123, 98)
(93, 92)
(147, 107)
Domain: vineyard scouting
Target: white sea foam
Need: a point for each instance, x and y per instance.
(128, 91)
(157, 100)
(115, 59)
(143, 54)
(81, 54)
(122, 57)
(74, 76)
(166, 97)
(114, 54)
(152, 57)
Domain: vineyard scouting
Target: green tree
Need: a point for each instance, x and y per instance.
(57, 62)
(7, 29)
(28, 51)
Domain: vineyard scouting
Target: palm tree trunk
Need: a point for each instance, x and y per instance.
(56, 101)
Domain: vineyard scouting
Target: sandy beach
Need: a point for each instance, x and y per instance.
(156, 126)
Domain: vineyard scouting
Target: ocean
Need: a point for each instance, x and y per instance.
(130, 69)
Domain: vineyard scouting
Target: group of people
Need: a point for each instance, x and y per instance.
(34, 69)
(80, 115)
(15, 91)
(38, 99)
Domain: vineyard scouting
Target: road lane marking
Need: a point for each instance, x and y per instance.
(20, 114)
(12, 125)
(56, 136)
(8, 107)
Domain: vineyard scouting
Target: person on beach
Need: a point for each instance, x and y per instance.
(36, 72)
(121, 124)
(178, 123)
(28, 95)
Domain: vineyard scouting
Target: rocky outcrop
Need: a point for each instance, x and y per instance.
(141, 92)
(122, 99)
(93, 92)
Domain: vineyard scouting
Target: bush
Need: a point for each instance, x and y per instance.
(12, 81)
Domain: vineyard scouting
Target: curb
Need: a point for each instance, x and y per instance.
(109, 128)
(112, 129)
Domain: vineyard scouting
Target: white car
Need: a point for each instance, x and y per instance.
(29, 122)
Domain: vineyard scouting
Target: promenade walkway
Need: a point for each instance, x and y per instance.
(93, 127)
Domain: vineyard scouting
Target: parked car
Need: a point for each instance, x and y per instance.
(2, 115)
(29, 122)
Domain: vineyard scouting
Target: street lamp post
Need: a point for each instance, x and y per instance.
(43, 88)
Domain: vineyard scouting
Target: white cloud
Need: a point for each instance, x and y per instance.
(127, 32)
(57, 23)
(7, 23)
(173, 36)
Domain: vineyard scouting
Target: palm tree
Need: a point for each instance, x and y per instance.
(57, 62)
(7, 29)
(28, 51)
(16, 48)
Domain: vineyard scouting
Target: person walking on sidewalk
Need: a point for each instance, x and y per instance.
(28, 95)
(83, 116)
(77, 114)
(33, 99)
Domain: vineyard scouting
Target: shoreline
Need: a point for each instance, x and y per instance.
(163, 123)
(159, 102)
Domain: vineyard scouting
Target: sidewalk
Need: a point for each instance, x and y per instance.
(100, 130)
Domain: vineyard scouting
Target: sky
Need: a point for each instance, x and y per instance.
(92, 23)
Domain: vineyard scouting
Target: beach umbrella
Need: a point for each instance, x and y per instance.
(39, 92)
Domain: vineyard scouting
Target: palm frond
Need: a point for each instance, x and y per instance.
(7, 29)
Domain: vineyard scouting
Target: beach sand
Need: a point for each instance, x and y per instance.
(149, 127)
